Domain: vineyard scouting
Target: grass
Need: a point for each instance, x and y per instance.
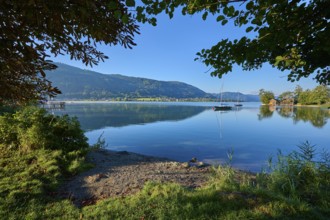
(28, 181)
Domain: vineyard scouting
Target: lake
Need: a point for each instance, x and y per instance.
(181, 131)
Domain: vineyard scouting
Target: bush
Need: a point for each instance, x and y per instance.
(33, 128)
(37, 150)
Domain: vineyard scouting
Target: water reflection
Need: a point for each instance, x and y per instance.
(265, 111)
(96, 116)
(316, 116)
(187, 130)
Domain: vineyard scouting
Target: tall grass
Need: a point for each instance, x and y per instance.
(303, 175)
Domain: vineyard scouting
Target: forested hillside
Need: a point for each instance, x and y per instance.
(78, 84)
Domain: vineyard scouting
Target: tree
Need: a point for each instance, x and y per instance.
(319, 95)
(297, 92)
(287, 98)
(265, 96)
(290, 35)
(286, 95)
(33, 30)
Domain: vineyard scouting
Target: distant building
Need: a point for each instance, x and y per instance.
(287, 101)
(273, 102)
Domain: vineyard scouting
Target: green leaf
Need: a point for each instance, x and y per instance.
(220, 18)
(125, 19)
(249, 29)
(249, 5)
(225, 10)
(130, 3)
(224, 22)
(153, 21)
(231, 10)
(205, 15)
(278, 59)
(112, 6)
(117, 14)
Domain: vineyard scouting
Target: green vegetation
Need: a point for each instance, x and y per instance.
(266, 96)
(37, 150)
(32, 167)
(44, 29)
(320, 95)
(301, 175)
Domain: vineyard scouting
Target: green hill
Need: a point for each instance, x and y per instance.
(79, 84)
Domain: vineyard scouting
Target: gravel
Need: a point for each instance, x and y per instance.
(122, 173)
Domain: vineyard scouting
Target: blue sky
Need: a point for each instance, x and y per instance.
(167, 52)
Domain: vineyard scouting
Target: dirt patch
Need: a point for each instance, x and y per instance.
(124, 173)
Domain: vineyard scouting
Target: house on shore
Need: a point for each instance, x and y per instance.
(287, 101)
(273, 102)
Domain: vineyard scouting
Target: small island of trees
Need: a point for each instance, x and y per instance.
(320, 95)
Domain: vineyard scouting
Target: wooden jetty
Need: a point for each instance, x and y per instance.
(53, 105)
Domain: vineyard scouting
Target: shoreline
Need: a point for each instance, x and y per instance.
(299, 105)
(122, 173)
(180, 101)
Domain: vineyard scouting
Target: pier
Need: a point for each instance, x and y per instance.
(53, 105)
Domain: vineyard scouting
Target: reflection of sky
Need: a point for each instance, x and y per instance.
(209, 135)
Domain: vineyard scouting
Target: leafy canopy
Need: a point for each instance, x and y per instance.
(266, 96)
(33, 30)
(290, 35)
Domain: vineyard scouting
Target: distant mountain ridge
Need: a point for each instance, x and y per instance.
(236, 96)
(79, 84)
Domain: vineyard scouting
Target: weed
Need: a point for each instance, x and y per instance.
(100, 143)
(299, 175)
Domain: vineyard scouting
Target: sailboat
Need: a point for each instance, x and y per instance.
(237, 103)
(222, 107)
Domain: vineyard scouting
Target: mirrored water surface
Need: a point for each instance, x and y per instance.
(181, 131)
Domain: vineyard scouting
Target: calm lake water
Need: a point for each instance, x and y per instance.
(181, 131)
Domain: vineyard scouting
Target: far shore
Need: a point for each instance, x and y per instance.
(139, 101)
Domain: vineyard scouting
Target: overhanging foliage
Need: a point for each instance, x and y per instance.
(290, 35)
(33, 30)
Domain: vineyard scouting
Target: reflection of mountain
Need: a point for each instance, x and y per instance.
(96, 116)
(316, 116)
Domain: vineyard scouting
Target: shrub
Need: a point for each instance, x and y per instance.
(33, 128)
(37, 150)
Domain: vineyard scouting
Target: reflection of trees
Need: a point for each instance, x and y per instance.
(286, 111)
(96, 116)
(265, 111)
(316, 116)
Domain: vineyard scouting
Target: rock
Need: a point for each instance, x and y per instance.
(201, 164)
(186, 165)
(193, 160)
(122, 152)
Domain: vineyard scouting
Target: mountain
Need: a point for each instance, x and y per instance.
(79, 84)
(235, 96)
(76, 83)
